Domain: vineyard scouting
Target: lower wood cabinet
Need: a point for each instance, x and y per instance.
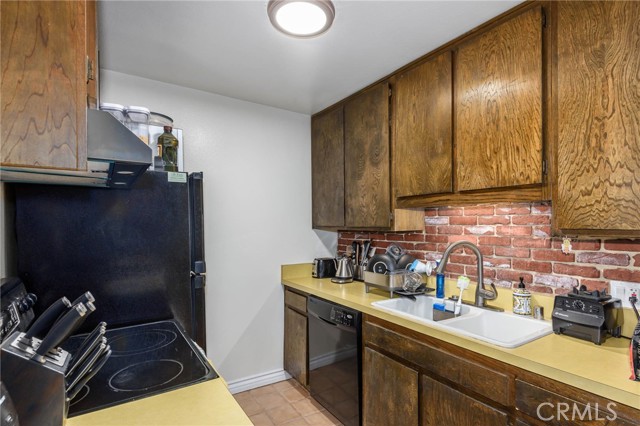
(413, 379)
(296, 358)
(444, 405)
(390, 391)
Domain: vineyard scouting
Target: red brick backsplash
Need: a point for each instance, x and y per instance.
(515, 240)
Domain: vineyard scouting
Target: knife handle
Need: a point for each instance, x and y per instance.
(100, 362)
(85, 298)
(60, 331)
(86, 365)
(90, 339)
(79, 356)
(48, 317)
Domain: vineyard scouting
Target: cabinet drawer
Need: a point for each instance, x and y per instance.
(470, 375)
(295, 300)
(555, 409)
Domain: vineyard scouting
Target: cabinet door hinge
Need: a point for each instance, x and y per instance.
(544, 19)
(391, 216)
(544, 167)
(90, 74)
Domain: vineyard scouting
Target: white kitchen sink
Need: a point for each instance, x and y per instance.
(499, 328)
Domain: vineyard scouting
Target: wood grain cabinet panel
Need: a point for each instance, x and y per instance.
(598, 104)
(327, 168)
(553, 409)
(43, 93)
(498, 104)
(443, 405)
(422, 156)
(389, 391)
(367, 175)
(295, 345)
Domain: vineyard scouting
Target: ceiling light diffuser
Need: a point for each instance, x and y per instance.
(301, 18)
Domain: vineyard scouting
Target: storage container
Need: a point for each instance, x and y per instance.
(138, 121)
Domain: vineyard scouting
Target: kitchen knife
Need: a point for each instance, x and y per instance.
(85, 298)
(92, 338)
(48, 317)
(60, 331)
(81, 356)
(86, 366)
(100, 362)
(365, 250)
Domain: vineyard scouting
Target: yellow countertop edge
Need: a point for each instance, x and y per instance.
(602, 370)
(206, 403)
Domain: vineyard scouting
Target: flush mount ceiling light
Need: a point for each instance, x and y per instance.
(301, 18)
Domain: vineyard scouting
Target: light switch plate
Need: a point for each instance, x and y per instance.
(623, 290)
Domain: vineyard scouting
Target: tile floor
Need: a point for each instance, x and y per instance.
(283, 403)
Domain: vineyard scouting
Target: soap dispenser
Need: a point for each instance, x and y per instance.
(521, 299)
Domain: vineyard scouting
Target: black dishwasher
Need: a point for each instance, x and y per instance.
(334, 359)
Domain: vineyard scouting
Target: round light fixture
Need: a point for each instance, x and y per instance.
(301, 18)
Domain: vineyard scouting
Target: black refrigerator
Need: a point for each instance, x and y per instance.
(140, 251)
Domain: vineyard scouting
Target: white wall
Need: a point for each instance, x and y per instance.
(257, 194)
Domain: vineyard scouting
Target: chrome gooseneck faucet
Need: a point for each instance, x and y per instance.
(482, 294)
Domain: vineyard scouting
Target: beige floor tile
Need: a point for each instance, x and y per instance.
(307, 406)
(322, 418)
(284, 385)
(261, 420)
(282, 414)
(270, 400)
(242, 397)
(299, 421)
(261, 391)
(294, 394)
(251, 407)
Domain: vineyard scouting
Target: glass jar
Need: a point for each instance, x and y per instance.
(116, 110)
(138, 122)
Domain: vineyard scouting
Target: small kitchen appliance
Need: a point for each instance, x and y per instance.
(324, 267)
(344, 271)
(634, 347)
(587, 315)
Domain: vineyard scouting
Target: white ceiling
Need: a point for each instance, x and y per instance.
(230, 48)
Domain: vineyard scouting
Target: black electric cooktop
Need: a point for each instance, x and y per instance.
(146, 360)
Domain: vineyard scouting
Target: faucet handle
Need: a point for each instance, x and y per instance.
(489, 294)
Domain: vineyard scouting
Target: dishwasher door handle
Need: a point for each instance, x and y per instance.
(333, 324)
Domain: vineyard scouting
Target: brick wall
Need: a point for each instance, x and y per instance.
(515, 242)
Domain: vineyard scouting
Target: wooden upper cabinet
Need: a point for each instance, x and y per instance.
(327, 168)
(43, 92)
(498, 105)
(422, 114)
(93, 67)
(597, 188)
(367, 175)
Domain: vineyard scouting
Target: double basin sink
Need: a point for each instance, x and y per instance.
(498, 328)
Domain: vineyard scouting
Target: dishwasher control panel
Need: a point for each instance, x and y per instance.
(342, 316)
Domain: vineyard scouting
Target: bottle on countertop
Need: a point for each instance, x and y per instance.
(521, 299)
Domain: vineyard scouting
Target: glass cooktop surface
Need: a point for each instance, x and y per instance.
(145, 360)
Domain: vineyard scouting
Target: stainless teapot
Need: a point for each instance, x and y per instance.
(344, 271)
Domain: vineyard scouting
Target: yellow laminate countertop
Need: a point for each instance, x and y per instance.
(207, 403)
(602, 370)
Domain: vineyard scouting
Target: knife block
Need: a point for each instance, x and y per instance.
(37, 390)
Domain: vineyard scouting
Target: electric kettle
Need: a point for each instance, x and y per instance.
(344, 271)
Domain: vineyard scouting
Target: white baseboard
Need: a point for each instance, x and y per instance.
(257, 381)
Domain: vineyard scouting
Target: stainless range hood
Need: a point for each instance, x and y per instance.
(115, 158)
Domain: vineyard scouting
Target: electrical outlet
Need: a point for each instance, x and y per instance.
(623, 290)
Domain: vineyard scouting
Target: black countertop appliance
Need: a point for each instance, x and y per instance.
(139, 251)
(587, 315)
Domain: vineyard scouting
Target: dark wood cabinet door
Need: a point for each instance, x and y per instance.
(389, 391)
(422, 114)
(442, 405)
(327, 169)
(43, 84)
(366, 137)
(295, 345)
(498, 104)
(598, 145)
